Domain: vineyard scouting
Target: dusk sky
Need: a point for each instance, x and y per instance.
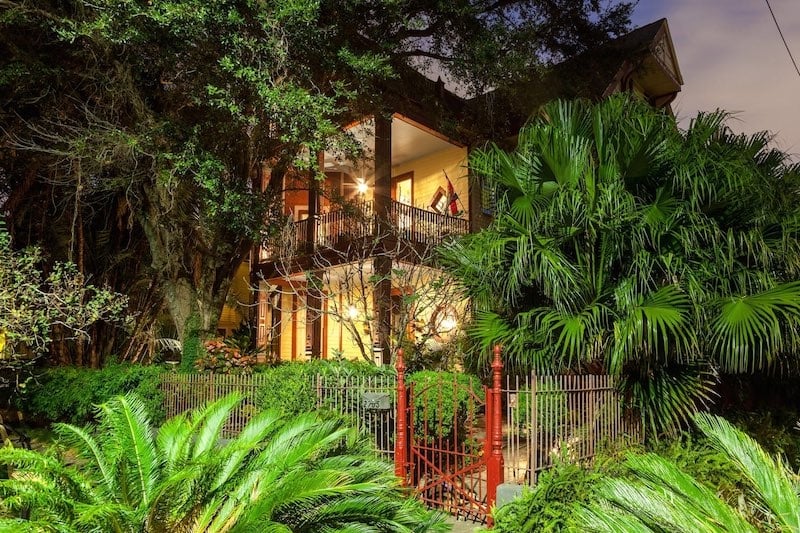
(732, 57)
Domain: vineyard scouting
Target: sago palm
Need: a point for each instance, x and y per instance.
(305, 474)
(658, 496)
(618, 238)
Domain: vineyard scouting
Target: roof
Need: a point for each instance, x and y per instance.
(643, 58)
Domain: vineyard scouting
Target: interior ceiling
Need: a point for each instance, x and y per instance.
(408, 143)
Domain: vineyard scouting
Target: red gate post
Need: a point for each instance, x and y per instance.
(401, 428)
(494, 465)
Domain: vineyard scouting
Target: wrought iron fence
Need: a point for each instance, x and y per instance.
(544, 415)
(568, 415)
(184, 392)
(371, 402)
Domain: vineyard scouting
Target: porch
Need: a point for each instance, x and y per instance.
(339, 228)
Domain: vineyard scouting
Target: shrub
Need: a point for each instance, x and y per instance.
(221, 357)
(69, 394)
(775, 430)
(290, 386)
(441, 399)
(550, 505)
(693, 454)
(278, 474)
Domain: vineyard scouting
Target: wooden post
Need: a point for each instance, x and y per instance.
(382, 203)
(401, 428)
(494, 467)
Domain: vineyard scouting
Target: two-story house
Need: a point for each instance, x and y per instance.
(326, 285)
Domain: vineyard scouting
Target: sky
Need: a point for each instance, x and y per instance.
(732, 57)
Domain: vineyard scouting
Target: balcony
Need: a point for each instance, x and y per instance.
(341, 227)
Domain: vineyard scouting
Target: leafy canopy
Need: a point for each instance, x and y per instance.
(164, 115)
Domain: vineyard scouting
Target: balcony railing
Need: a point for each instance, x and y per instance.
(357, 221)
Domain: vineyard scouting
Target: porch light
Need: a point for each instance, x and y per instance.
(449, 323)
(377, 354)
(352, 312)
(361, 186)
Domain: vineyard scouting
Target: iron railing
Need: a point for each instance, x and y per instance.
(357, 221)
(352, 396)
(571, 416)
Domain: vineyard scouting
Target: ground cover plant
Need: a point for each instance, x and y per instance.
(664, 255)
(278, 474)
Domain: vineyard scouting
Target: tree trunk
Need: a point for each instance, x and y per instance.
(194, 281)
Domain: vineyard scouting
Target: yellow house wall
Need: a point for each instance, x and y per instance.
(429, 175)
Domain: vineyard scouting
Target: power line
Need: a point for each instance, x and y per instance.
(783, 38)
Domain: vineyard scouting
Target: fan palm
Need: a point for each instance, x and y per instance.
(305, 474)
(618, 237)
(659, 497)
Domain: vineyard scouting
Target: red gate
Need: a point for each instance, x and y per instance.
(442, 450)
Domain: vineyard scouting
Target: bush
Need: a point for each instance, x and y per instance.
(69, 394)
(437, 405)
(775, 430)
(693, 454)
(290, 386)
(223, 357)
(550, 505)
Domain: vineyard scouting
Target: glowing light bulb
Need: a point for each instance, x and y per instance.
(352, 312)
(361, 187)
(448, 323)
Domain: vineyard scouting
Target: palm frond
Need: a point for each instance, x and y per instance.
(749, 331)
(774, 484)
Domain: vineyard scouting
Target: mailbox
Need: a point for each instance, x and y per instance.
(376, 401)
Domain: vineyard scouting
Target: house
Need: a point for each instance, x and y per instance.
(346, 276)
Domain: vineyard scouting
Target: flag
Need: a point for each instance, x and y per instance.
(452, 197)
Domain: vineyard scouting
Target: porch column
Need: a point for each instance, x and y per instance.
(314, 295)
(382, 204)
(313, 203)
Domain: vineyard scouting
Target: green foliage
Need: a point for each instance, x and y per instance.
(444, 401)
(550, 505)
(70, 394)
(290, 386)
(775, 430)
(694, 454)
(618, 238)
(278, 474)
(192, 347)
(159, 114)
(659, 495)
(33, 302)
